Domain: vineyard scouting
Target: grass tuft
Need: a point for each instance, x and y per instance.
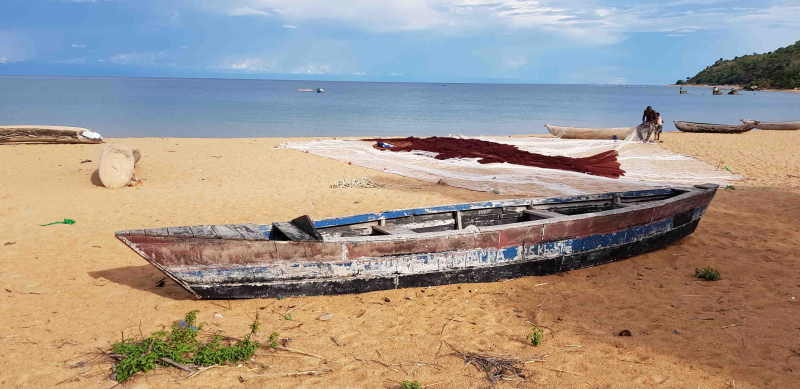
(181, 345)
(410, 385)
(708, 274)
(536, 336)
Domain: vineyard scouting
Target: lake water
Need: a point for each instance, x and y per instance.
(152, 107)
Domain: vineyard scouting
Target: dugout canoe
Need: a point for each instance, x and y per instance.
(463, 243)
(589, 133)
(48, 134)
(714, 128)
(774, 125)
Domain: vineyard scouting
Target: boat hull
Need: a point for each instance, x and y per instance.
(714, 128)
(774, 126)
(250, 268)
(589, 133)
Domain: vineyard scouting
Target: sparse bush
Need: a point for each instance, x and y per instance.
(708, 274)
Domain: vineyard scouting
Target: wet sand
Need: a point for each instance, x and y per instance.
(69, 289)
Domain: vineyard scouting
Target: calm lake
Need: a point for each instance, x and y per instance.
(224, 108)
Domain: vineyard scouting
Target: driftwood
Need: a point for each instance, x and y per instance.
(117, 165)
(48, 134)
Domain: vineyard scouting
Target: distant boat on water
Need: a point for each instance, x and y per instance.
(320, 90)
(305, 90)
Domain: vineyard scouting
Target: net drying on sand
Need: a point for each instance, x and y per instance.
(645, 166)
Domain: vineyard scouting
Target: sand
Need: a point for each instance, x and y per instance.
(70, 289)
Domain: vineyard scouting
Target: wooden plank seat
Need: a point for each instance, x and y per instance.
(392, 230)
(537, 214)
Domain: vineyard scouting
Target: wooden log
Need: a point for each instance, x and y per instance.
(48, 134)
(116, 166)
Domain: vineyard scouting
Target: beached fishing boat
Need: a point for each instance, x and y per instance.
(463, 243)
(714, 128)
(48, 134)
(589, 133)
(774, 125)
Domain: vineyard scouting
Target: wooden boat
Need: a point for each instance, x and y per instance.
(589, 133)
(714, 128)
(463, 243)
(48, 134)
(773, 125)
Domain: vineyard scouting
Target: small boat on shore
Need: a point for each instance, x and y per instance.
(714, 128)
(48, 134)
(589, 133)
(787, 126)
(463, 243)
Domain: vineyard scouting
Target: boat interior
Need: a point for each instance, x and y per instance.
(458, 217)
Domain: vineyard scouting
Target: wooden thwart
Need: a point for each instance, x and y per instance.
(393, 230)
(542, 214)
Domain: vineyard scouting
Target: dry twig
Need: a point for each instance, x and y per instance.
(735, 325)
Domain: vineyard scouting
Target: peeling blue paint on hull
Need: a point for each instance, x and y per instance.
(538, 260)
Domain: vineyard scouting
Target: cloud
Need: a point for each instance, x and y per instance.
(514, 63)
(396, 74)
(254, 65)
(16, 47)
(359, 74)
(288, 26)
(312, 69)
(78, 46)
(80, 60)
(246, 11)
(136, 58)
(583, 22)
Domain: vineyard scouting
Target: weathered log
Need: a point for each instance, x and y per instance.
(48, 134)
(117, 165)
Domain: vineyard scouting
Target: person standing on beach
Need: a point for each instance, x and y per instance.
(659, 127)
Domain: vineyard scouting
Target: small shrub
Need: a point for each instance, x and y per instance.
(536, 336)
(410, 385)
(181, 345)
(708, 274)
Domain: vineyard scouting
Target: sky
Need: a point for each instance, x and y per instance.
(493, 41)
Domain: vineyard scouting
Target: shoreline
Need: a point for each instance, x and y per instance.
(737, 87)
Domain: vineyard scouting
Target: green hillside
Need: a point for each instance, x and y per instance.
(779, 69)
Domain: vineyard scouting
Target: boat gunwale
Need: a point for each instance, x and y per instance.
(713, 124)
(346, 220)
(689, 192)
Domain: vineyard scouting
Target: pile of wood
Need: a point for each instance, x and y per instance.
(48, 134)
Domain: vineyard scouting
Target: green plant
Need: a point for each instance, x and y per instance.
(708, 274)
(181, 345)
(288, 316)
(536, 336)
(410, 385)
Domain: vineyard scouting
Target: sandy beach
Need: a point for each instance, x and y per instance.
(69, 290)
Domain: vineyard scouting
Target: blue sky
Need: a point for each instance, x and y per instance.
(507, 41)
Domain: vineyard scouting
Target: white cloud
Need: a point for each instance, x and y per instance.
(396, 74)
(254, 65)
(78, 46)
(288, 26)
(135, 58)
(514, 63)
(3, 60)
(245, 11)
(71, 60)
(359, 74)
(312, 69)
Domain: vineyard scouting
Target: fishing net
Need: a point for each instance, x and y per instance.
(645, 166)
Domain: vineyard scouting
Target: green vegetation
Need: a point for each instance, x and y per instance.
(779, 69)
(536, 336)
(410, 385)
(708, 274)
(181, 346)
